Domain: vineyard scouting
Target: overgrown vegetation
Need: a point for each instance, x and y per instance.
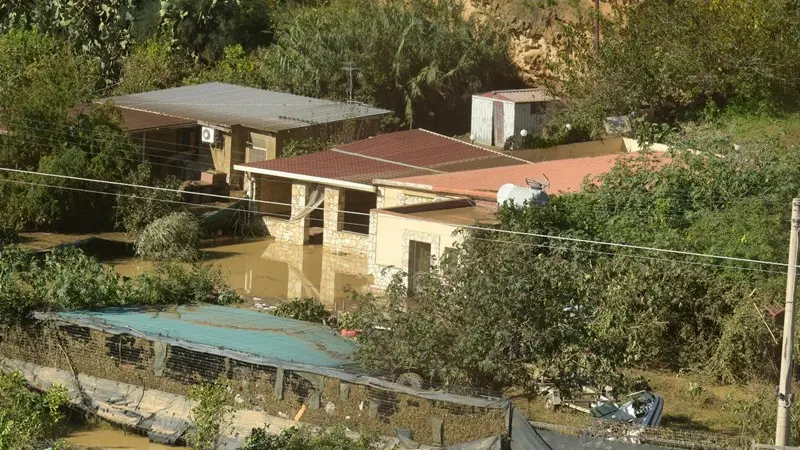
(306, 439)
(306, 309)
(583, 312)
(29, 420)
(716, 54)
(209, 414)
(175, 237)
(67, 279)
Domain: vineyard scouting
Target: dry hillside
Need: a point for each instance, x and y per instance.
(537, 31)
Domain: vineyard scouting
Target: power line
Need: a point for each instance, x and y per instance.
(623, 245)
(623, 255)
(157, 188)
(468, 227)
(119, 194)
(286, 216)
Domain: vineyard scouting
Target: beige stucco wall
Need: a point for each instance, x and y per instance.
(389, 239)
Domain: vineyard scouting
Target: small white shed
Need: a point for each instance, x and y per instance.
(497, 115)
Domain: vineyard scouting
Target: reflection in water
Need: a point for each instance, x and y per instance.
(108, 439)
(269, 271)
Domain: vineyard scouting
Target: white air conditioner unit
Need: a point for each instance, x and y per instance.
(208, 135)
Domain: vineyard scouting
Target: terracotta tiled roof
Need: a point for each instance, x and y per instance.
(387, 156)
(565, 175)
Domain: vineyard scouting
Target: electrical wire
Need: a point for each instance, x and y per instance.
(469, 227)
(623, 255)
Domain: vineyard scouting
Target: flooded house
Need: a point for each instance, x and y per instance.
(326, 197)
(190, 129)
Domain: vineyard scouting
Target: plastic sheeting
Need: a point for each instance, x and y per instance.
(525, 437)
(252, 337)
(315, 199)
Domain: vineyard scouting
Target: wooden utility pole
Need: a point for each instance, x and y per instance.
(787, 362)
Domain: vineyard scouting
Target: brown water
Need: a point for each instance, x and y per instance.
(266, 271)
(102, 438)
(262, 271)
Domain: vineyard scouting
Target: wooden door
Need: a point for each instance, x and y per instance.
(419, 262)
(498, 123)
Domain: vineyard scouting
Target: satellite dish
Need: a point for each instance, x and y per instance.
(518, 195)
(472, 137)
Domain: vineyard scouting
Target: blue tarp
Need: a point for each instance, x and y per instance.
(236, 329)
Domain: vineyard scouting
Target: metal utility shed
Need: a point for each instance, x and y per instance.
(498, 115)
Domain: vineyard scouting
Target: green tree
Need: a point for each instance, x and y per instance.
(203, 28)
(672, 58)
(40, 79)
(421, 59)
(152, 65)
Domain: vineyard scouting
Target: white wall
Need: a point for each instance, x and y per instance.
(482, 111)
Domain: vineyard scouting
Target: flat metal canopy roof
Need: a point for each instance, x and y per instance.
(228, 105)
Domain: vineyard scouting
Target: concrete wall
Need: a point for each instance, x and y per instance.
(569, 151)
(389, 238)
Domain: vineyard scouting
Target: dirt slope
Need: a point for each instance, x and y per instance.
(537, 31)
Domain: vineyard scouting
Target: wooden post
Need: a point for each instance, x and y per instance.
(782, 432)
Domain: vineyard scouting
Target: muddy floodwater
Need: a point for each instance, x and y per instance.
(103, 438)
(262, 271)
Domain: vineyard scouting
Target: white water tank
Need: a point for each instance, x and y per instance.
(518, 195)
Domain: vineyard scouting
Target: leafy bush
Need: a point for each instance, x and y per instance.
(175, 237)
(213, 404)
(141, 207)
(306, 439)
(176, 283)
(67, 279)
(28, 420)
(305, 309)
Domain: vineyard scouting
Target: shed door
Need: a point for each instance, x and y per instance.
(419, 261)
(497, 125)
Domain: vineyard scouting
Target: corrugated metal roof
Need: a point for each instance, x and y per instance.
(227, 105)
(236, 329)
(387, 156)
(521, 95)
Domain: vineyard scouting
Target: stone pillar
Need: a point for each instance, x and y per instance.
(372, 245)
(327, 283)
(300, 228)
(334, 216)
